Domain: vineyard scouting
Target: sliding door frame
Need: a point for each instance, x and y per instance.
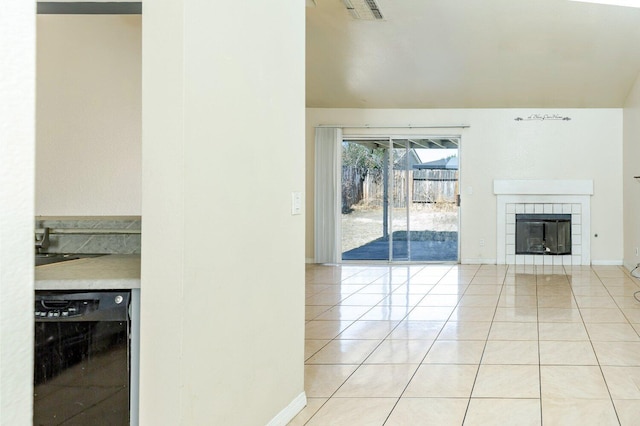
(388, 219)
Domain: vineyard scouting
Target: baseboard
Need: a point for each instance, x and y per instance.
(478, 261)
(290, 411)
(606, 262)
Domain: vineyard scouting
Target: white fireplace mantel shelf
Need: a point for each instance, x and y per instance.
(544, 196)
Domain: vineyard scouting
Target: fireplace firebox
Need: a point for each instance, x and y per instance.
(548, 234)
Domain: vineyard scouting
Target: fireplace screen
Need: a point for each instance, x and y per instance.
(543, 234)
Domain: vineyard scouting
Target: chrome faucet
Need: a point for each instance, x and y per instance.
(43, 243)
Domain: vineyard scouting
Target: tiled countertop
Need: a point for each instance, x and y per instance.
(114, 271)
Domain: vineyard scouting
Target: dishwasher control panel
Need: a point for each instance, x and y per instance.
(55, 309)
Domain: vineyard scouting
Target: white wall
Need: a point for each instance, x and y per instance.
(17, 143)
(222, 258)
(631, 168)
(88, 115)
(495, 146)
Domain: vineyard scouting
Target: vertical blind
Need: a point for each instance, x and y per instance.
(327, 194)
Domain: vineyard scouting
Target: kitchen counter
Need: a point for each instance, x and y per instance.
(113, 271)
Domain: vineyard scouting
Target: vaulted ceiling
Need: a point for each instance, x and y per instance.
(472, 54)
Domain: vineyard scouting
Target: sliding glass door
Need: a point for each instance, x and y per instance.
(399, 199)
(365, 200)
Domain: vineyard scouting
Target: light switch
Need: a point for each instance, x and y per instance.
(296, 203)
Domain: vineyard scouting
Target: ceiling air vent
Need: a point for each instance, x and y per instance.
(363, 9)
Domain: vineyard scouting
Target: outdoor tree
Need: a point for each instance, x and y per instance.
(357, 155)
(357, 162)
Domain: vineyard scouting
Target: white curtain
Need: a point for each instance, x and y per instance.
(327, 195)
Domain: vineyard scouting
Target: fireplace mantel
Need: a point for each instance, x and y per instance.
(543, 196)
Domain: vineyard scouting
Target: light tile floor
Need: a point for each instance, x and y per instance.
(471, 345)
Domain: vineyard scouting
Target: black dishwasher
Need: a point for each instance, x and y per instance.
(82, 358)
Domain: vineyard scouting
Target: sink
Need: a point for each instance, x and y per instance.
(48, 258)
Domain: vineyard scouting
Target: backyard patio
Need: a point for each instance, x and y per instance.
(433, 235)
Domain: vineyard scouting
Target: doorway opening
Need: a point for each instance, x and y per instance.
(400, 199)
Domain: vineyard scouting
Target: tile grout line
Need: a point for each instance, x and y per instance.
(363, 361)
(391, 331)
(337, 305)
(427, 352)
(604, 378)
(352, 373)
(486, 342)
(331, 340)
(585, 285)
(539, 352)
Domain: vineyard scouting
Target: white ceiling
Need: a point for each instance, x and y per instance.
(472, 54)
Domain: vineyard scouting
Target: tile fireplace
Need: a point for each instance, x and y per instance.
(555, 216)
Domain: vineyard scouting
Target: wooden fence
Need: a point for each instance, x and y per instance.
(366, 187)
